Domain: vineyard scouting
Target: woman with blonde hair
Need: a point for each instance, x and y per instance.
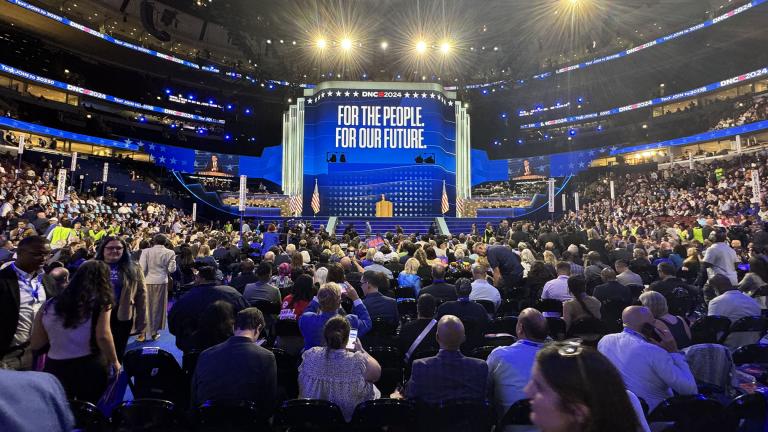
(526, 260)
(657, 304)
(368, 260)
(336, 253)
(204, 256)
(691, 265)
(408, 278)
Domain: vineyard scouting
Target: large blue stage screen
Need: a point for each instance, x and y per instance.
(361, 144)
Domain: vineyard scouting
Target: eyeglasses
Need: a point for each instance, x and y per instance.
(114, 249)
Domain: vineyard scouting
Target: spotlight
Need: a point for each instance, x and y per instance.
(572, 132)
(519, 140)
(421, 47)
(321, 43)
(227, 137)
(229, 106)
(384, 45)
(167, 91)
(248, 111)
(445, 47)
(346, 44)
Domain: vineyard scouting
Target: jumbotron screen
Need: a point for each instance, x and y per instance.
(362, 144)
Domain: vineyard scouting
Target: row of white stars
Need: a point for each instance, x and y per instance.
(415, 95)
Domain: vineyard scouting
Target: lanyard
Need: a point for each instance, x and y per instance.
(28, 284)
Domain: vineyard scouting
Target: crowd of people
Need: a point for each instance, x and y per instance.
(755, 110)
(673, 247)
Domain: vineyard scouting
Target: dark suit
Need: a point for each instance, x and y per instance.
(474, 317)
(381, 306)
(9, 305)
(236, 369)
(239, 282)
(612, 290)
(411, 330)
(447, 376)
(185, 314)
(442, 290)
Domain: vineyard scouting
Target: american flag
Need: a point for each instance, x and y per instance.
(459, 206)
(295, 204)
(316, 199)
(444, 205)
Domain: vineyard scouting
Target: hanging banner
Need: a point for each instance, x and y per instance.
(576, 201)
(755, 186)
(21, 145)
(613, 191)
(194, 212)
(105, 172)
(73, 165)
(61, 187)
(243, 191)
(565, 205)
(551, 194)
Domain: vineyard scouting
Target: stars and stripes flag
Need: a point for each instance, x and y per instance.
(459, 206)
(316, 199)
(444, 204)
(295, 204)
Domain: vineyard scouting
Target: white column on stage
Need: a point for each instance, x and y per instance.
(463, 156)
(565, 202)
(576, 201)
(613, 190)
(551, 194)
(293, 150)
(194, 212)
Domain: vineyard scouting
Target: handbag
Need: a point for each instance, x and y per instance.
(113, 395)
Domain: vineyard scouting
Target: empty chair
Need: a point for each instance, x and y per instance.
(746, 331)
(482, 352)
(589, 330)
(456, 416)
(691, 413)
(748, 411)
(550, 307)
(391, 361)
(405, 292)
(556, 328)
(406, 307)
(489, 306)
(148, 415)
(384, 415)
(710, 329)
(508, 308)
(310, 415)
(266, 307)
(287, 328)
(88, 418)
(507, 324)
(518, 414)
(498, 340)
(218, 415)
(154, 373)
(287, 374)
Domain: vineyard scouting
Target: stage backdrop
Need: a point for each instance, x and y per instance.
(360, 143)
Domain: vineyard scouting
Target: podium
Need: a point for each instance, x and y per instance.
(384, 208)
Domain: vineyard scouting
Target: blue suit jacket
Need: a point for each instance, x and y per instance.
(381, 306)
(311, 322)
(448, 376)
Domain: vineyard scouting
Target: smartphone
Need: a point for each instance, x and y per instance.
(649, 331)
(352, 339)
(744, 267)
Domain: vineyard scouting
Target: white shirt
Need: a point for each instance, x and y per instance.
(510, 370)
(557, 289)
(482, 290)
(734, 305)
(723, 259)
(648, 371)
(28, 305)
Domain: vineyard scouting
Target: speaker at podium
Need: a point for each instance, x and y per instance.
(384, 207)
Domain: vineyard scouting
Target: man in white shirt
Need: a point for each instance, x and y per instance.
(651, 369)
(481, 289)
(558, 288)
(509, 367)
(720, 258)
(730, 302)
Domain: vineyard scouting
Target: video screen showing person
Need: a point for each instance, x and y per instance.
(216, 164)
(528, 169)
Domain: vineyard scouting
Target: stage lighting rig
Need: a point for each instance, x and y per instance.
(421, 47)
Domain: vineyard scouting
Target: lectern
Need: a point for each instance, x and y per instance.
(384, 208)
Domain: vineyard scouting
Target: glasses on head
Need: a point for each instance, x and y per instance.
(571, 348)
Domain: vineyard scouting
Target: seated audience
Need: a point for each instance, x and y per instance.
(611, 289)
(238, 368)
(262, 289)
(730, 302)
(558, 288)
(626, 276)
(378, 305)
(440, 289)
(294, 304)
(324, 307)
(333, 373)
(677, 326)
(510, 366)
(481, 289)
(33, 402)
(472, 315)
(419, 334)
(215, 327)
(408, 278)
(448, 375)
(246, 276)
(648, 358)
(581, 305)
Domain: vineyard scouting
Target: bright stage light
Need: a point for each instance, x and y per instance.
(384, 45)
(346, 44)
(321, 43)
(421, 47)
(445, 47)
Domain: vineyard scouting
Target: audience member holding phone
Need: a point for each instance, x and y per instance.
(326, 306)
(341, 371)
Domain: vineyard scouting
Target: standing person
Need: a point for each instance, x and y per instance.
(22, 292)
(69, 322)
(158, 263)
(128, 292)
(507, 270)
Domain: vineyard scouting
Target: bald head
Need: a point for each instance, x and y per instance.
(346, 263)
(608, 274)
(450, 333)
(635, 317)
(531, 325)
